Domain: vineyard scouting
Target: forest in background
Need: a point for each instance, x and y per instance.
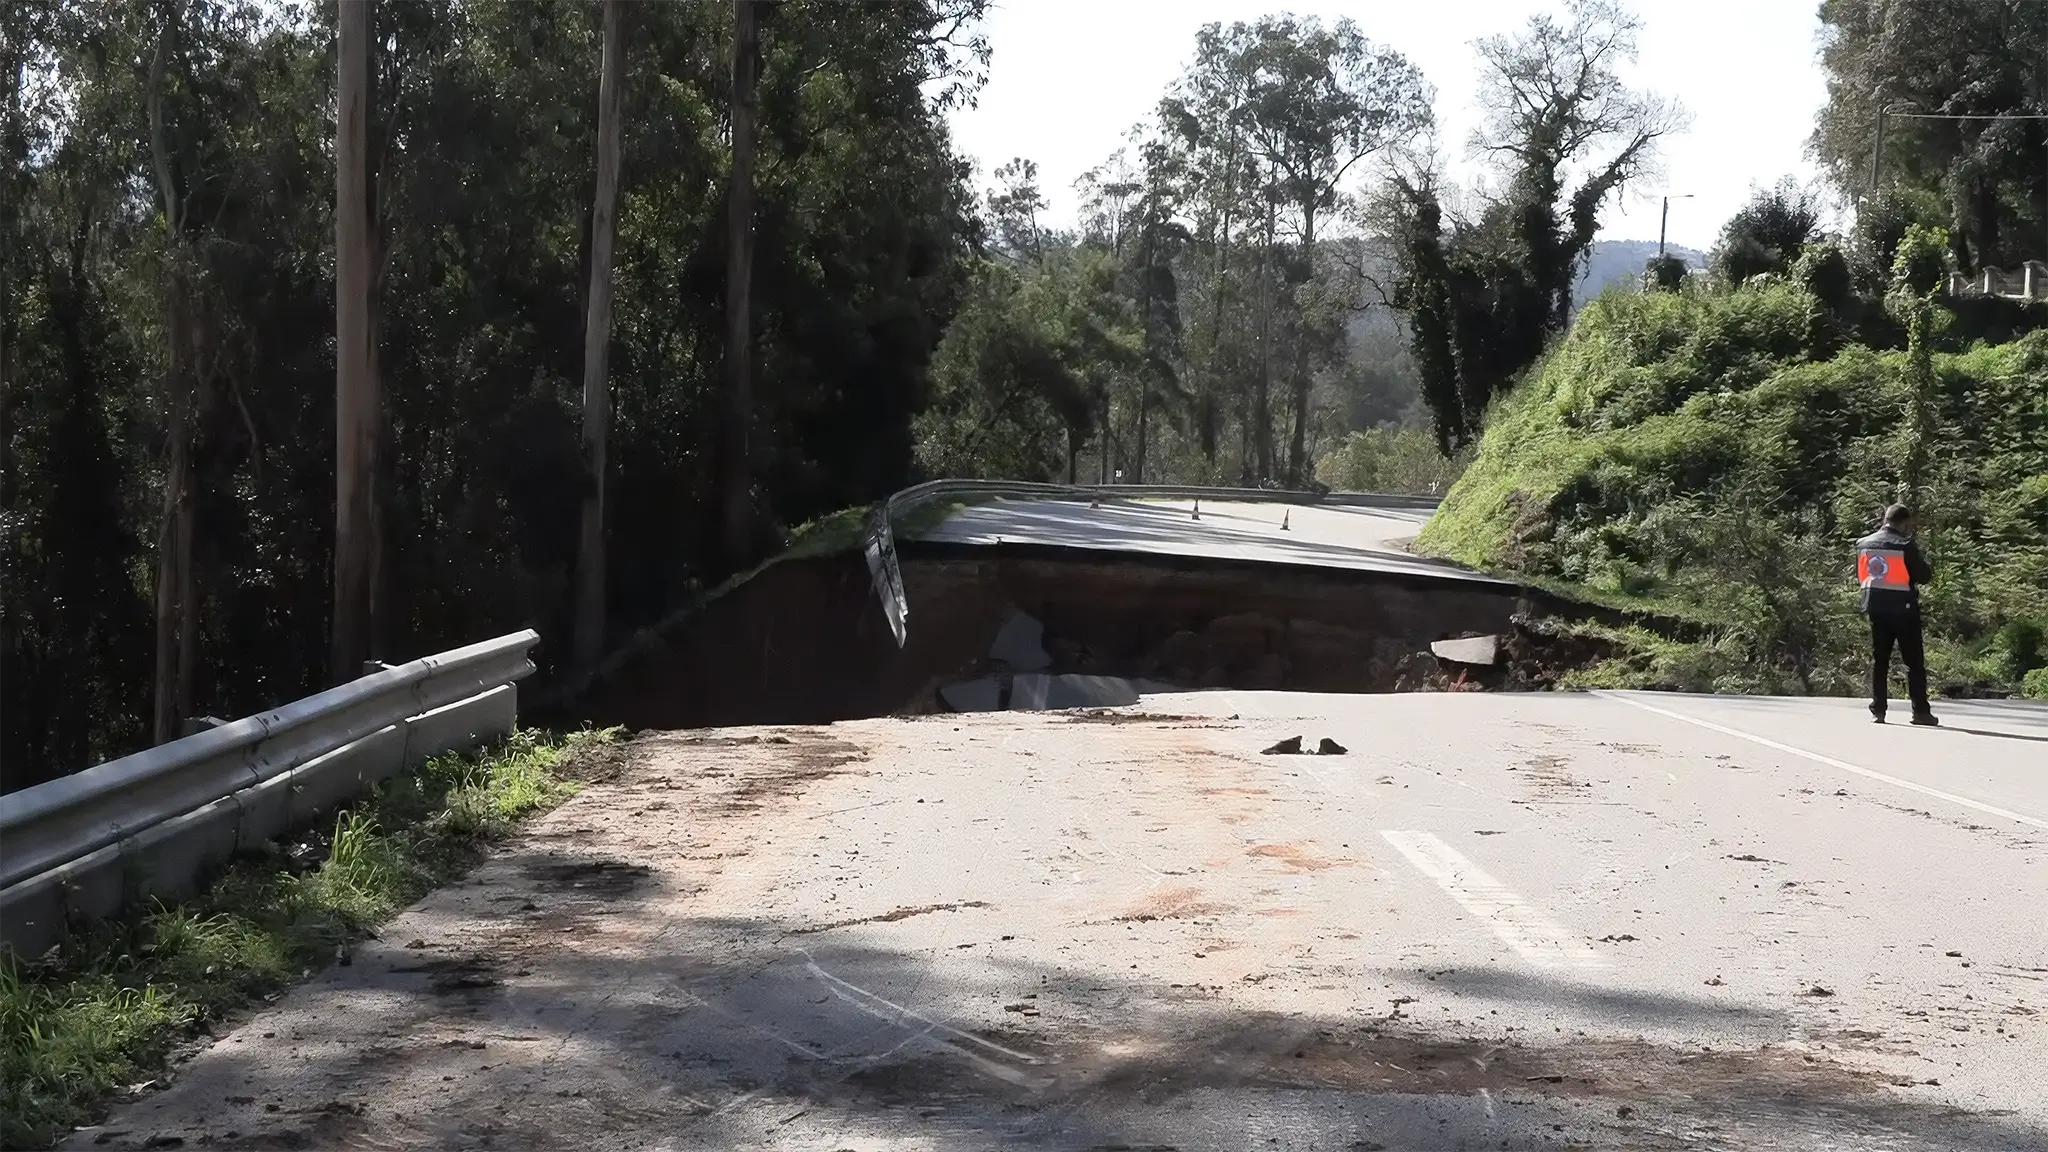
(1273, 283)
(167, 249)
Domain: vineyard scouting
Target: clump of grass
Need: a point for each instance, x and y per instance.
(107, 1007)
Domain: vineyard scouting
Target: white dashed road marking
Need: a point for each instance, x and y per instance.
(1536, 937)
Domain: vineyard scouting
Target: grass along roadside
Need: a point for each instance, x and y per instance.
(106, 1009)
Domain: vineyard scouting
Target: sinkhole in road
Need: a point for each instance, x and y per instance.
(805, 641)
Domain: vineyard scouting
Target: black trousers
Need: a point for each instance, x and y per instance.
(1902, 629)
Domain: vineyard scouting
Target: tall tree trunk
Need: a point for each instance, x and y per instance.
(378, 638)
(1213, 376)
(1262, 403)
(174, 553)
(1102, 468)
(736, 467)
(597, 340)
(1218, 270)
(1245, 451)
(1987, 207)
(1297, 447)
(355, 388)
(1138, 470)
(176, 612)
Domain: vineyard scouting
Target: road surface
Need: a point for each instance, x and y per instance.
(1498, 921)
(1359, 537)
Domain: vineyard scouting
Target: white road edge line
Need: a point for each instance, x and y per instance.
(1535, 937)
(1830, 761)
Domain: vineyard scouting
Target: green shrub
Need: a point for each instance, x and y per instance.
(1665, 273)
(1823, 270)
(1390, 460)
(108, 1007)
(2036, 687)
(2020, 645)
(1922, 261)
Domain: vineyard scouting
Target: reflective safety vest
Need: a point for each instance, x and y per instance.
(1883, 568)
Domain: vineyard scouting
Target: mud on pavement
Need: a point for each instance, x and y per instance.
(943, 933)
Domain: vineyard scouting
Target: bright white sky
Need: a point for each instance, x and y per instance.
(1070, 77)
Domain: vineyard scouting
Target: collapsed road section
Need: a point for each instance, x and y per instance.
(1119, 595)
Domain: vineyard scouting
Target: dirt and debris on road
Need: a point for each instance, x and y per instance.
(1017, 930)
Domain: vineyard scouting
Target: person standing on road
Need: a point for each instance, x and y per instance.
(1891, 569)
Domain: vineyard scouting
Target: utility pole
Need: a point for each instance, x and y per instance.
(1877, 150)
(355, 389)
(735, 467)
(1665, 218)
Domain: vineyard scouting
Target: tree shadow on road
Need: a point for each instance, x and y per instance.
(750, 1032)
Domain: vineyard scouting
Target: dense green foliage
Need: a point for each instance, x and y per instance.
(1023, 373)
(1767, 234)
(1485, 292)
(1390, 459)
(1717, 452)
(111, 1005)
(1930, 61)
(482, 126)
(1206, 322)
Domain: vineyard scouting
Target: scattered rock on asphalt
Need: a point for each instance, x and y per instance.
(1330, 747)
(1288, 747)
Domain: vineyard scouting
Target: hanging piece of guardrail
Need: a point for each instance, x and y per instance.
(885, 574)
(84, 846)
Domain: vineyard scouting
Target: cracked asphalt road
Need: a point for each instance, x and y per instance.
(1499, 921)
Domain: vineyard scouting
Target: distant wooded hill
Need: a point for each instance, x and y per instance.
(1621, 261)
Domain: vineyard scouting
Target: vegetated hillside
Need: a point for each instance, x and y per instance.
(1716, 453)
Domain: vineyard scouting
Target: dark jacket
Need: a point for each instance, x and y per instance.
(1886, 601)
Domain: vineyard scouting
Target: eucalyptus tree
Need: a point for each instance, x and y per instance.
(1278, 119)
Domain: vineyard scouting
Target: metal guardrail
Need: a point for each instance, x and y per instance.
(67, 846)
(879, 541)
